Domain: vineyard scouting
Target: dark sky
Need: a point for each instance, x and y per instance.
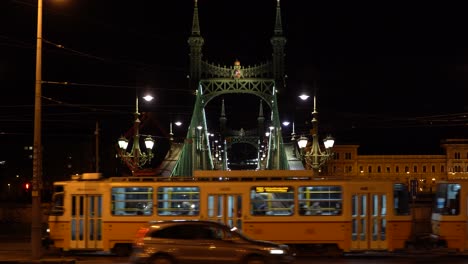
(387, 73)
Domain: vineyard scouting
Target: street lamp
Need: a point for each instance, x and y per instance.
(315, 157)
(136, 159)
(171, 133)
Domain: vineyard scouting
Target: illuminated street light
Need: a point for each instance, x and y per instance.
(304, 97)
(171, 133)
(136, 159)
(315, 157)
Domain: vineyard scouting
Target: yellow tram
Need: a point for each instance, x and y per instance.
(283, 206)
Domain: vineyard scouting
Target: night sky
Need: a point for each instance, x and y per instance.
(386, 73)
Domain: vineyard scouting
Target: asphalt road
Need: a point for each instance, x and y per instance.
(15, 247)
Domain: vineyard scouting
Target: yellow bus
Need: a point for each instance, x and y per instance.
(291, 207)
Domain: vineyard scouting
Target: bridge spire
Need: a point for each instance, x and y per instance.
(195, 22)
(195, 42)
(278, 26)
(278, 41)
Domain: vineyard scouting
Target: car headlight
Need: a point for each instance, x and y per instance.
(276, 251)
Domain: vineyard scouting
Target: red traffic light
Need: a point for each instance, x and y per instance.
(26, 186)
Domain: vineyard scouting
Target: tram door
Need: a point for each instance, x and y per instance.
(86, 222)
(225, 208)
(369, 212)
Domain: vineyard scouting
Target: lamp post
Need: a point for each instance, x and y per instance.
(136, 159)
(315, 158)
(171, 133)
(37, 144)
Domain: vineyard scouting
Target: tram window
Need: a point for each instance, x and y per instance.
(132, 201)
(401, 199)
(57, 204)
(320, 200)
(272, 200)
(447, 199)
(178, 200)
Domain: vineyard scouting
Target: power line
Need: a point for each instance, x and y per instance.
(95, 85)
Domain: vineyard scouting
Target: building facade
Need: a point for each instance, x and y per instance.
(420, 170)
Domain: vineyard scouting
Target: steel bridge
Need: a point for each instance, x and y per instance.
(263, 80)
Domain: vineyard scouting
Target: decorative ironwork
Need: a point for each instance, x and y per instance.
(263, 88)
(216, 71)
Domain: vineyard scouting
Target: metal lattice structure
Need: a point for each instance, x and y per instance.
(263, 80)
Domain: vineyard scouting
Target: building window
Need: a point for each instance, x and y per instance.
(378, 169)
(369, 169)
(361, 169)
(350, 169)
(442, 168)
(348, 156)
(433, 168)
(457, 155)
(415, 168)
(424, 168)
(397, 169)
(336, 156)
(406, 169)
(388, 169)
